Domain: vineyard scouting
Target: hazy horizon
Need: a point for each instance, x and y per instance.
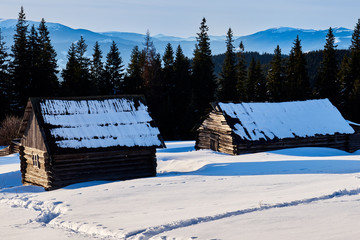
(182, 19)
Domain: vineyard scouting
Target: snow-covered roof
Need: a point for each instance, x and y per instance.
(101, 122)
(268, 121)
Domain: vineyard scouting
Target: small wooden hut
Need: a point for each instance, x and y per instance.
(237, 128)
(72, 140)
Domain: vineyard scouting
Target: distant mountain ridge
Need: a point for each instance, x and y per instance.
(263, 41)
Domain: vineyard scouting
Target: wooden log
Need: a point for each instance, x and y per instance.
(98, 165)
(97, 169)
(93, 159)
(33, 151)
(102, 175)
(69, 157)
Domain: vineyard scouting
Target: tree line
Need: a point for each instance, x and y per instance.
(178, 89)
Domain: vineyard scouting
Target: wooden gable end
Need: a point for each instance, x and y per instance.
(32, 136)
(215, 133)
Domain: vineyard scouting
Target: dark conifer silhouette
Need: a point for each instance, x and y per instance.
(276, 77)
(114, 72)
(96, 69)
(327, 84)
(227, 80)
(297, 79)
(133, 82)
(241, 74)
(20, 67)
(203, 79)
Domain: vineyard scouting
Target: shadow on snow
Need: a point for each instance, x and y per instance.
(275, 168)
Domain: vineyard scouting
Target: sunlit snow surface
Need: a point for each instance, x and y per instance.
(285, 119)
(302, 193)
(99, 123)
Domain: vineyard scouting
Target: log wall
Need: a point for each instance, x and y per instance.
(61, 170)
(34, 167)
(215, 124)
(113, 165)
(354, 142)
(340, 142)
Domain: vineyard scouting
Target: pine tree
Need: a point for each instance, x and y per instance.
(182, 96)
(5, 88)
(241, 74)
(96, 69)
(168, 68)
(182, 78)
(114, 71)
(148, 64)
(275, 77)
(255, 84)
(346, 83)
(47, 63)
(297, 86)
(203, 78)
(83, 68)
(34, 58)
(251, 81)
(71, 74)
(168, 110)
(327, 85)
(133, 82)
(355, 52)
(19, 66)
(260, 84)
(227, 80)
(354, 95)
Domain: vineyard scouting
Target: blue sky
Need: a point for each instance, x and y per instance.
(183, 17)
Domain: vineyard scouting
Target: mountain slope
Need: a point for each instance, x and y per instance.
(263, 41)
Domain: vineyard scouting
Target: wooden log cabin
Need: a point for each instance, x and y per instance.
(71, 140)
(237, 128)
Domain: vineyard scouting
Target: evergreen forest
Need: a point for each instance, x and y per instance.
(178, 90)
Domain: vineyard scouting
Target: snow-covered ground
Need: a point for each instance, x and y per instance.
(303, 193)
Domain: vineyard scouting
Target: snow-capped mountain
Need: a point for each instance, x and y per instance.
(266, 41)
(263, 41)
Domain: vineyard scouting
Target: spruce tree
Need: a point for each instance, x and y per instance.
(152, 76)
(275, 77)
(5, 88)
(251, 81)
(34, 58)
(168, 90)
(346, 83)
(182, 78)
(227, 80)
(168, 69)
(71, 74)
(182, 96)
(297, 85)
(354, 95)
(327, 85)
(133, 82)
(19, 66)
(260, 84)
(256, 83)
(47, 63)
(203, 78)
(96, 69)
(148, 63)
(84, 71)
(355, 52)
(241, 74)
(114, 72)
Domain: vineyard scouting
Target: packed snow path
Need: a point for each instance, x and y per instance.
(197, 194)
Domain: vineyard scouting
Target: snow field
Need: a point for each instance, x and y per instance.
(305, 193)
